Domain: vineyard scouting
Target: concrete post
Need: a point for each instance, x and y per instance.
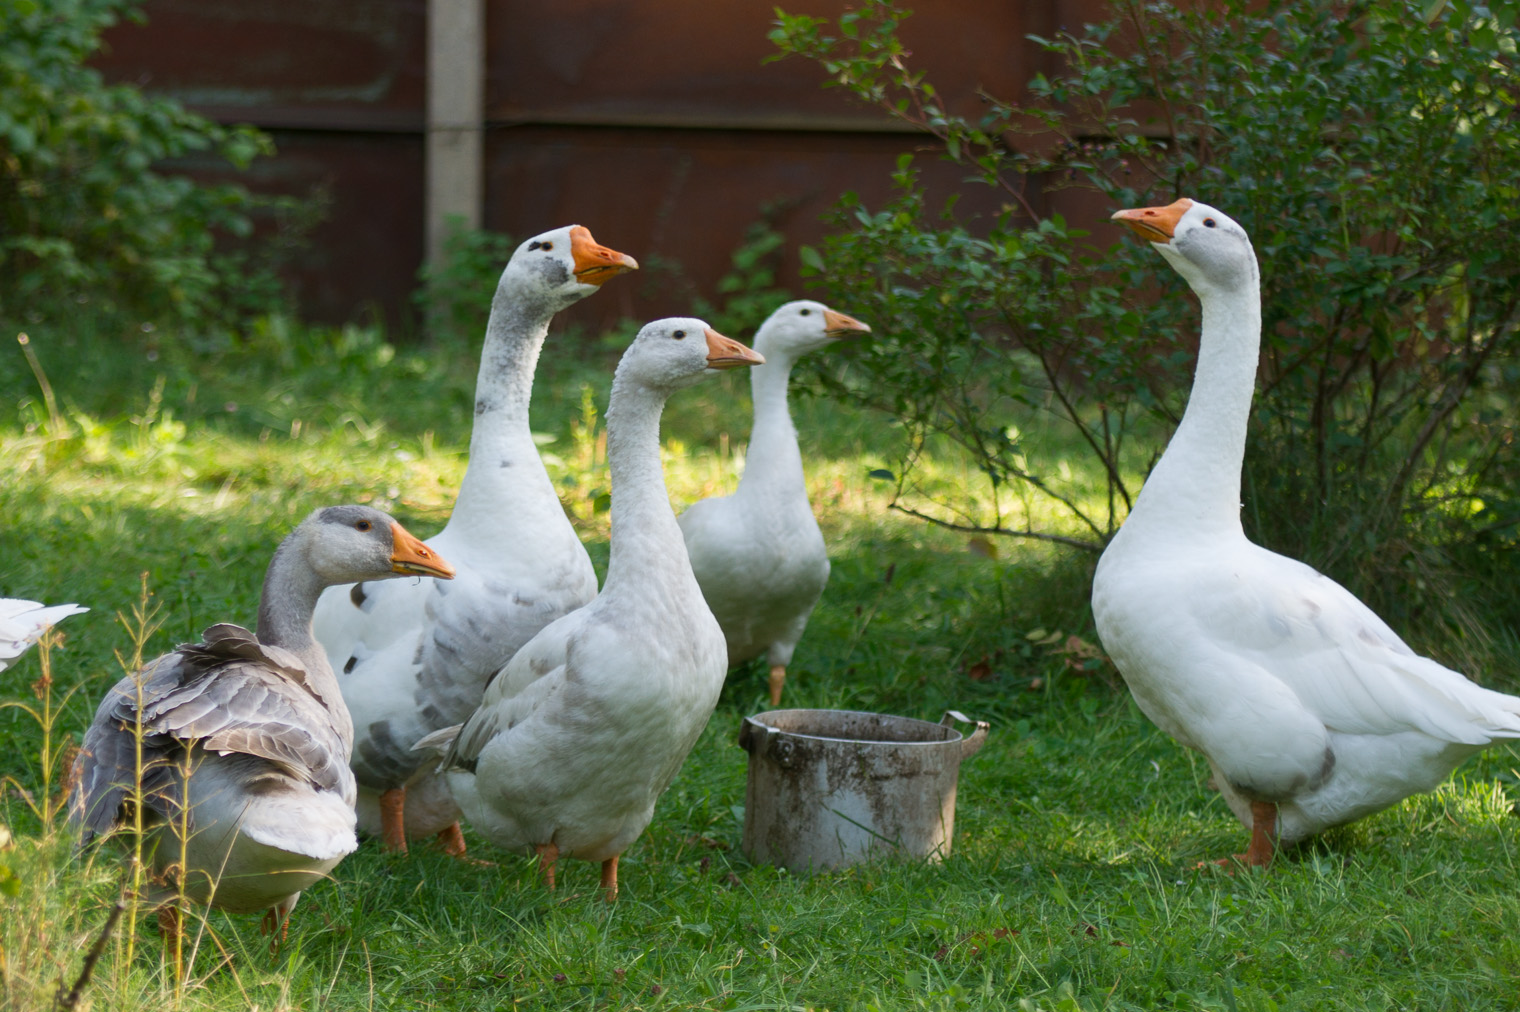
(455, 166)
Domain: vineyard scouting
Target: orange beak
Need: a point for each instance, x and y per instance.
(838, 325)
(726, 353)
(408, 555)
(1156, 224)
(595, 263)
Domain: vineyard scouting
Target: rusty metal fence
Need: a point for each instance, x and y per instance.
(656, 123)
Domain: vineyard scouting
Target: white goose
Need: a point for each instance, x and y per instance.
(23, 622)
(414, 657)
(258, 722)
(1310, 710)
(584, 729)
(758, 554)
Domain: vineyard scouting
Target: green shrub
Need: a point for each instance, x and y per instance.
(88, 221)
(1369, 148)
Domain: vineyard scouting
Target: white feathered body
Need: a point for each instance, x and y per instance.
(758, 554)
(414, 656)
(587, 727)
(762, 565)
(1295, 691)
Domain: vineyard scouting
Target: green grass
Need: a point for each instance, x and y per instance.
(1072, 883)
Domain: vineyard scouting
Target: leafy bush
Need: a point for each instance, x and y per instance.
(1368, 147)
(85, 216)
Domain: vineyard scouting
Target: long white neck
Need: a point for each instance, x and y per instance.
(289, 597)
(647, 548)
(505, 474)
(1195, 487)
(773, 462)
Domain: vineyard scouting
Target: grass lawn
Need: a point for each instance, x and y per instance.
(1072, 884)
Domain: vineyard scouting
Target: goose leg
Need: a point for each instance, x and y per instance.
(609, 878)
(777, 680)
(276, 922)
(548, 853)
(1263, 833)
(452, 841)
(1263, 840)
(392, 820)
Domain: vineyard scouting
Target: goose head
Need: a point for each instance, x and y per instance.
(350, 544)
(669, 354)
(565, 264)
(1203, 244)
(803, 326)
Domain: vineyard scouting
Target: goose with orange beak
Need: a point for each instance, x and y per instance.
(758, 553)
(413, 658)
(580, 734)
(1311, 711)
(238, 746)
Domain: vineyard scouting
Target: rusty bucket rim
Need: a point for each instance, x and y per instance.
(954, 737)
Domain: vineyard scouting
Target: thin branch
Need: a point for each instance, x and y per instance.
(1060, 539)
(1450, 398)
(1110, 467)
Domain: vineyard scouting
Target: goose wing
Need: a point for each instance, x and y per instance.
(1342, 661)
(529, 682)
(411, 660)
(22, 622)
(228, 694)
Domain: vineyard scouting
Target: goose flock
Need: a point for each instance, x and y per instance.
(390, 691)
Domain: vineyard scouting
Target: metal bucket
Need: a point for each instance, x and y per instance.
(829, 788)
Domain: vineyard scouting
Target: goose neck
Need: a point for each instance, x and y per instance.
(1196, 484)
(773, 461)
(289, 598)
(501, 439)
(646, 540)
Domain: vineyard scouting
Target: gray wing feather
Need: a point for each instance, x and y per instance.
(228, 694)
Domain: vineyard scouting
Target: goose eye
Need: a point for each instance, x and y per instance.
(678, 335)
(1209, 223)
(362, 525)
(807, 312)
(546, 247)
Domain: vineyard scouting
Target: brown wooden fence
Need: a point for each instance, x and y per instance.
(655, 123)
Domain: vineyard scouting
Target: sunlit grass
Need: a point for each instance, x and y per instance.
(1072, 882)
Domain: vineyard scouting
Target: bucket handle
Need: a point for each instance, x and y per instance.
(763, 740)
(974, 741)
